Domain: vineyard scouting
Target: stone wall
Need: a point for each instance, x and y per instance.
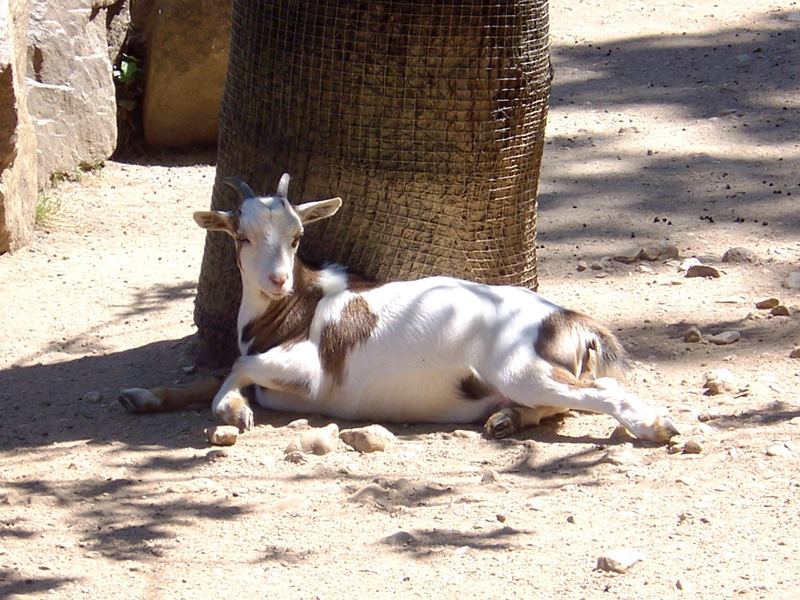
(71, 95)
(17, 140)
(187, 57)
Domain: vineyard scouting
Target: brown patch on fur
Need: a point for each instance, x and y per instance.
(473, 387)
(287, 320)
(199, 392)
(563, 376)
(357, 283)
(580, 345)
(354, 326)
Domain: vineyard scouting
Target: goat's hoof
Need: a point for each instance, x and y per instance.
(501, 424)
(661, 430)
(139, 400)
(233, 410)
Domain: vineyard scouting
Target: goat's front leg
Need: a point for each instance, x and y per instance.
(296, 367)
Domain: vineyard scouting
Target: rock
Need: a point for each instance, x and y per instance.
(489, 475)
(401, 538)
(739, 255)
(372, 438)
(725, 338)
(692, 335)
(92, 397)
(72, 98)
(295, 457)
(643, 269)
(185, 75)
(621, 455)
(780, 311)
(767, 303)
(779, 449)
(601, 265)
(702, 271)
(319, 441)
(466, 434)
(792, 281)
(17, 137)
(692, 447)
(581, 266)
(619, 561)
(651, 253)
(689, 263)
(720, 381)
(222, 435)
(795, 353)
(217, 454)
(683, 585)
(298, 424)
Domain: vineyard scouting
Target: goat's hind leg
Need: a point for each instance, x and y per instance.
(167, 399)
(508, 421)
(543, 384)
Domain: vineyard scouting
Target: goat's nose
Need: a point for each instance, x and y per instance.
(278, 280)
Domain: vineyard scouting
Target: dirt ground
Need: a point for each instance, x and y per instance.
(670, 122)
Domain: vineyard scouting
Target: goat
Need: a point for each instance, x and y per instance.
(436, 350)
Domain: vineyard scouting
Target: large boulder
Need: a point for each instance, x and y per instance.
(17, 140)
(71, 94)
(187, 56)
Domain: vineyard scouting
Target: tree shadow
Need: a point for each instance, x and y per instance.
(12, 585)
(424, 542)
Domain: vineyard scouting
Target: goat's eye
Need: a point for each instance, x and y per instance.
(242, 239)
(296, 240)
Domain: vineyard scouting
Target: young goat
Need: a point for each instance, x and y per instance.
(438, 350)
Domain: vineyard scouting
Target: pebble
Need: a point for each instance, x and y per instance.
(222, 435)
(622, 455)
(692, 335)
(779, 449)
(298, 424)
(692, 447)
(795, 353)
(739, 255)
(725, 338)
(680, 445)
(720, 381)
(780, 311)
(466, 434)
(651, 253)
(767, 303)
(702, 271)
(489, 476)
(318, 441)
(92, 397)
(619, 560)
(684, 586)
(295, 457)
(373, 438)
(689, 263)
(792, 281)
(581, 266)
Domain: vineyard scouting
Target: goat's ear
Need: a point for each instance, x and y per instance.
(314, 211)
(283, 186)
(216, 220)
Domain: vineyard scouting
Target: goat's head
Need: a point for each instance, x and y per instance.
(267, 231)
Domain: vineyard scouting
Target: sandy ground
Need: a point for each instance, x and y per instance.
(670, 122)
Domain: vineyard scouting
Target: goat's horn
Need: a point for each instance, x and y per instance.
(240, 186)
(283, 186)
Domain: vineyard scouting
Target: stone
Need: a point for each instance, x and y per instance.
(683, 585)
(692, 335)
(650, 253)
(222, 435)
(295, 457)
(780, 311)
(619, 560)
(72, 97)
(792, 281)
(319, 441)
(702, 271)
(692, 447)
(795, 353)
(372, 438)
(720, 381)
(489, 476)
(740, 255)
(768, 303)
(581, 266)
(689, 263)
(621, 455)
(724, 338)
(466, 434)
(298, 424)
(779, 449)
(188, 46)
(17, 137)
(92, 397)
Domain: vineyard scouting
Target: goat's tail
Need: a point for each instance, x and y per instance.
(582, 346)
(165, 399)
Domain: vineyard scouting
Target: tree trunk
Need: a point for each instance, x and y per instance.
(427, 118)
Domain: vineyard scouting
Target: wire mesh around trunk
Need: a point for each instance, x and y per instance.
(427, 118)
